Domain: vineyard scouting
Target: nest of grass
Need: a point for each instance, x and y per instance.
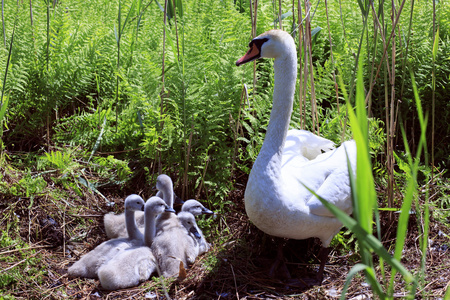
(57, 232)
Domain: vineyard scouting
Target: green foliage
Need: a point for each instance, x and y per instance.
(77, 82)
(112, 168)
(90, 93)
(27, 186)
(347, 241)
(29, 267)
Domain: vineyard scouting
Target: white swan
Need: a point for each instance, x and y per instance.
(134, 265)
(177, 244)
(89, 264)
(276, 200)
(115, 224)
(196, 208)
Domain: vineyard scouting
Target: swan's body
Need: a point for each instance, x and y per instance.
(276, 199)
(177, 244)
(134, 265)
(89, 264)
(115, 224)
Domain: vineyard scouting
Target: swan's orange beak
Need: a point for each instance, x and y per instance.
(252, 54)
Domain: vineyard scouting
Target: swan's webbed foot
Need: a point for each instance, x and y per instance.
(279, 270)
(279, 266)
(323, 256)
(307, 282)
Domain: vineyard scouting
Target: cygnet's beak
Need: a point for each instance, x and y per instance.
(206, 211)
(177, 200)
(143, 207)
(194, 231)
(169, 209)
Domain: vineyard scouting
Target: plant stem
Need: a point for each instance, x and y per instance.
(3, 23)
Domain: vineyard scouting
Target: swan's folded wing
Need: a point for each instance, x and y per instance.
(336, 187)
(336, 190)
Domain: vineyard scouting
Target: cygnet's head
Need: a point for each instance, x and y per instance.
(156, 206)
(134, 203)
(195, 208)
(163, 183)
(271, 44)
(188, 221)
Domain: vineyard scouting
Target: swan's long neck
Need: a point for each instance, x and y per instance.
(149, 228)
(130, 223)
(167, 196)
(283, 98)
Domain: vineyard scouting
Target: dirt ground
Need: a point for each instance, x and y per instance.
(236, 267)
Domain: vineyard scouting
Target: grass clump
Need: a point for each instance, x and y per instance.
(20, 264)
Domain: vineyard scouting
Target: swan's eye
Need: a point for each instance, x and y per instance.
(260, 42)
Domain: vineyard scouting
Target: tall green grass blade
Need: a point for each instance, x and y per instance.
(365, 184)
(180, 8)
(365, 201)
(447, 293)
(3, 22)
(99, 138)
(159, 5)
(115, 33)
(141, 13)
(353, 271)
(436, 44)
(435, 50)
(284, 16)
(90, 186)
(402, 226)
(119, 20)
(172, 46)
(422, 120)
(170, 9)
(362, 7)
(315, 34)
(357, 60)
(3, 107)
(361, 113)
(130, 11)
(367, 239)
